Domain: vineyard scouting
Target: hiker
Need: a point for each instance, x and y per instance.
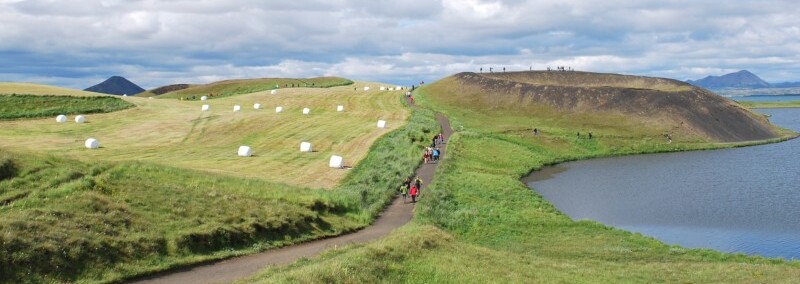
(441, 138)
(435, 138)
(425, 155)
(535, 132)
(504, 70)
(404, 192)
(414, 193)
(411, 98)
(590, 135)
(579, 135)
(436, 155)
(418, 183)
(481, 69)
(490, 69)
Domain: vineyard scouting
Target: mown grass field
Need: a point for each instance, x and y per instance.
(247, 86)
(37, 106)
(8, 88)
(177, 133)
(478, 223)
(94, 219)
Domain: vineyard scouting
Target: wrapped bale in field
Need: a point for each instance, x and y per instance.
(257, 106)
(305, 147)
(279, 109)
(381, 124)
(340, 108)
(336, 162)
(80, 119)
(61, 118)
(91, 143)
(204, 108)
(203, 98)
(237, 108)
(274, 92)
(306, 111)
(245, 151)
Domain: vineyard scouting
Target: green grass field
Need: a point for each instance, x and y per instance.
(73, 215)
(246, 86)
(37, 106)
(787, 104)
(478, 223)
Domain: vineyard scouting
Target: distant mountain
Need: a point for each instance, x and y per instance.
(116, 85)
(742, 79)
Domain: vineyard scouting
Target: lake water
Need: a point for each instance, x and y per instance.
(733, 200)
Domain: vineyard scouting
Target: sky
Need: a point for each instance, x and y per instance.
(78, 43)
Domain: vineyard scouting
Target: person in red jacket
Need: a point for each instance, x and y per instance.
(414, 193)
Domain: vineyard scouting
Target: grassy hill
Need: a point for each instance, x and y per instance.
(246, 86)
(478, 223)
(36, 106)
(166, 189)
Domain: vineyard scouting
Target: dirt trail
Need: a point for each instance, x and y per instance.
(229, 270)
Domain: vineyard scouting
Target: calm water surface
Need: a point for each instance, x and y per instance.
(734, 200)
(767, 98)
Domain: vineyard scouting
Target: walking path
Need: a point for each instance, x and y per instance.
(229, 270)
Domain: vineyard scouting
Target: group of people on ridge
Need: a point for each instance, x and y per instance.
(411, 187)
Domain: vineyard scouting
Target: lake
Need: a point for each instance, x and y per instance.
(733, 200)
(766, 98)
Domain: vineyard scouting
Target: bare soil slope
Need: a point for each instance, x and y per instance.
(669, 103)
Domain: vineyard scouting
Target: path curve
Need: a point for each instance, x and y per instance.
(237, 268)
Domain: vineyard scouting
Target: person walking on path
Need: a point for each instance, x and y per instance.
(414, 193)
(434, 140)
(418, 183)
(436, 155)
(441, 138)
(404, 192)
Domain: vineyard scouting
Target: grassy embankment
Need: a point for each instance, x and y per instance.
(35, 106)
(478, 223)
(98, 219)
(786, 104)
(246, 86)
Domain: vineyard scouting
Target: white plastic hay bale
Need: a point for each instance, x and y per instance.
(273, 92)
(203, 98)
(306, 111)
(204, 108)
(279, 109)
(91, 143)
(366, 88)
(398, 88)
(408, 93)
(340, 108)
(257, 106)
(391, 89)
(245, 151)
(124, 95)
(237, 108)
(305, 147)
(383, 88)
(381, 123)
(61, 118)
(80, 119)
(336, 162)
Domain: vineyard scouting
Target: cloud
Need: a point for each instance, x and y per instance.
(77, 43)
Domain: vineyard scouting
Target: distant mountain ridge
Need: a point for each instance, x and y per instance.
(739, 80)
(116, 85)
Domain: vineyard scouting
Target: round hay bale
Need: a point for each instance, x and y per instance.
(61, 118)
(391, 89)
(203, 98)
(336, 162)
(398, 88)
(204, 108)
(279, 109)
(274, 92)
(381, 124)
(80, 119)
(340, 108)
(305, 147)
(91, 143)
(306, 111)
(257, 106)
(383, 88)
(237, 108)
(245, 151)
(366, 88)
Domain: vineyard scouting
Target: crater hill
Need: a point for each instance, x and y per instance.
(665, 105)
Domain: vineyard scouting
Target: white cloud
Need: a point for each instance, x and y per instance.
(75, 43)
